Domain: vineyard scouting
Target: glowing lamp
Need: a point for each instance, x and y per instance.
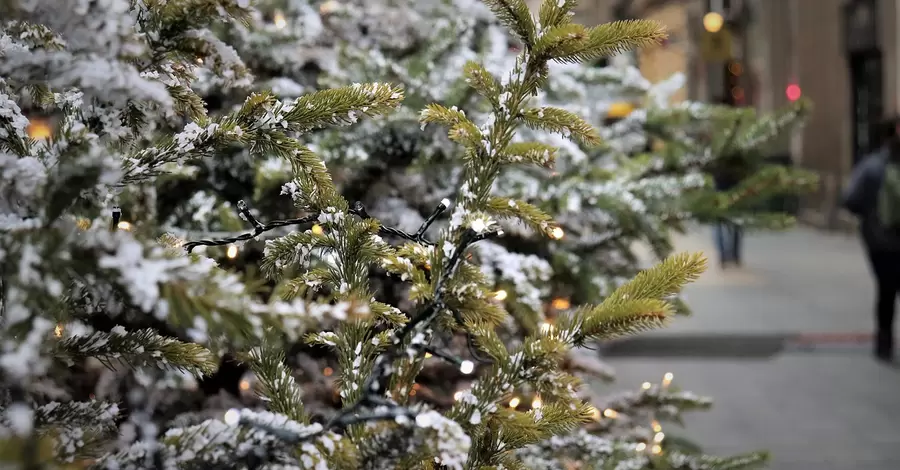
(39, 129)
(619, 110)
(793, 92)
(713, 22)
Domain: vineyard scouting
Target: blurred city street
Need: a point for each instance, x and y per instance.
(782, 346)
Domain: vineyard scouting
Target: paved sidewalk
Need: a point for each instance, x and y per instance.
(829, 409)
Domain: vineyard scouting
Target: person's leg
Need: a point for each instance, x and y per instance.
(738, 237)
(720, 235)
(887, 282)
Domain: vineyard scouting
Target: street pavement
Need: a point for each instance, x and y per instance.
(826, 405)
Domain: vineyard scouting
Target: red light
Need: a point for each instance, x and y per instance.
(793, 92)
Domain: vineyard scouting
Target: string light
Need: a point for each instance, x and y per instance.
(280, 21)
(656, 426)
(200, 60)
(458, 395)
(231, 252)
(39, 129)
(657, 449)
(561, 304)
(595, 414)
(557, 233)
(514, 402)
(646, 385)
(467, 367)
(500, 295)
(427, 355)
(317, 229)
(658, 437)
(713, 22)
(58, 331)
(610, 413)
(244, 385)
(667, 379)
(641, 447)
(327, 371)
(328, 7)
(232, 417)
(537, 403)
(124, 225)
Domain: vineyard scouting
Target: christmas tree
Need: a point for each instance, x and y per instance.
(90, 287)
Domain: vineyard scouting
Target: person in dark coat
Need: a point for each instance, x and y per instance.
(882, 244)
(728, 235)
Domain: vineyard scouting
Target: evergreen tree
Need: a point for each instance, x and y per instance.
(82, 285)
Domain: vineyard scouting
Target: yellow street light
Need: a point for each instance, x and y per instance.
(713, 22)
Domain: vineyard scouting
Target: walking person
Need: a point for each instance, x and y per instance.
(873, 195)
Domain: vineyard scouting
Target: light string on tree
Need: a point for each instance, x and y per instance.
(373, 403)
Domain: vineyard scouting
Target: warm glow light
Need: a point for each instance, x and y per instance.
(619, 110)
(658, 437)
(595, 414)
(427, 355)
(610, 413)
(83, 223)
(646, 385)
(458, 395)
(327, 371)
(58, 331)
(641, 447)
(667, 379)
(200, 60)
(232, 417)
(656, 426)
(500, 295)
(417, 386)
(412, 393)
(467, 367)
(657, 449)
(514, 402)
(557, 233)
(317, 229)
(231, 252)
(537, 403)
(244, 385)
(328, 7)
(561, 304)
(280, 21)
(713, 22)
(39, 130)
(124, 226)
(735, 68)
(793, 92)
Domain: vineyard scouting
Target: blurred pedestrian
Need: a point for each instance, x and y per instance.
(727, 173)
(873, 195)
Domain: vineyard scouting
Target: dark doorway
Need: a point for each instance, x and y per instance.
(867, 97)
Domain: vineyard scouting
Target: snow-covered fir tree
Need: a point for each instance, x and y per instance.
(116, 83)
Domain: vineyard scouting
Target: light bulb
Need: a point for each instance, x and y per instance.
(280, 21)
(713, 22)
(124, 226)
(500, 295)
(317, 229)
(610, 413)
(667, 379)
(641, 447)
(557, 233)
(39, 130)
(658, 437)
(595, 414)
(514, 402)
(200, 60)
(232, 417)
(231, 252)
(58, 331)
(646, 385)
(467, 367)
(244, 385)
(427, 355)
(327, 371)
(561, 304)
(657, 449)
(458, 395)
(537, 403)
(656, 426)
